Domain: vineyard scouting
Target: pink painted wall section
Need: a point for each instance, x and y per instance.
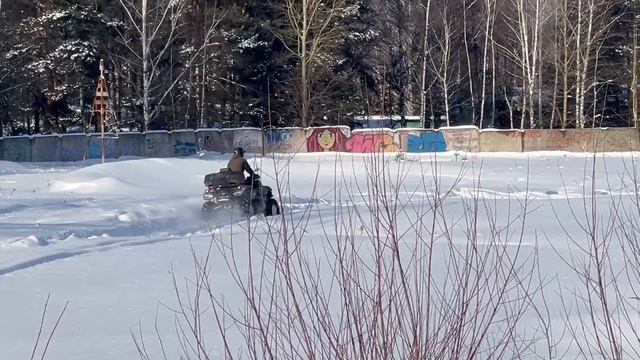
(372, 141)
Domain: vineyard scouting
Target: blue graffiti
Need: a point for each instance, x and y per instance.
(275, 137)
(182, 148)
(426, 142)
(95, 147)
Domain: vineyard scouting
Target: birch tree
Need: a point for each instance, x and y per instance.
(489, 24)
(312, 29)
(465, 37)
(156, 26)
(591, 26)
(526, 25)
(565, 59)
(442, 64)
(423, 79)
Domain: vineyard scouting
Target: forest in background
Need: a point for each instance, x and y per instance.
(175, 64)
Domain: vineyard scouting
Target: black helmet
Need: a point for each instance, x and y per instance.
(238, 151)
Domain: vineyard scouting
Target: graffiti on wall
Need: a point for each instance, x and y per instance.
(336, 139)
(285, 140)
(95, 147)
(426, 142)
(205, 143)
(370, 143)
(462, 139)
(183, 148)
(326, 139)
(278, 137)
(563, 140)
(250, 140)
(149, 145)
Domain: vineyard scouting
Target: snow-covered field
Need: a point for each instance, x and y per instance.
(108, 238)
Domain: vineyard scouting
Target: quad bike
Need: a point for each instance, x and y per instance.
(227, 191)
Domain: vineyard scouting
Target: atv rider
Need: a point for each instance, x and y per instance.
(239, 164)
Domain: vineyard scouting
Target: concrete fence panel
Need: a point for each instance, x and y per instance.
(17, 148)
(45, 148)
(250, 139)
(209, 140)
(285, 140)
(96, 143)
(183, 142)
(373, 140)
(500, 141)
(577, 140)
(131, 144)
(156, 144)
(617, 139)
(462, 138)
(73, 147)
(327, 138)
(226, 141)
(535, 140)
(421, 141)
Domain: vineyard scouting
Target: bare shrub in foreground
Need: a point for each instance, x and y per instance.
(389, 271)
(601, 311)
(39, 339)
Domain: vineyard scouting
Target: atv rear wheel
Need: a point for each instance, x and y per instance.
(272, 208)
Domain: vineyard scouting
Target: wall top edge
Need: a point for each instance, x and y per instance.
(449, 128)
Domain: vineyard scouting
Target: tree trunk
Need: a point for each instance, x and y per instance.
(488, 33)
(466, 51)
(304, 96)
(445, 75)
(146, 109)
(565, 65)
(556, 66)
(494, 93)
(423, 85)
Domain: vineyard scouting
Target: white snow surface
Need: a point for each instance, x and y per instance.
(107, 237)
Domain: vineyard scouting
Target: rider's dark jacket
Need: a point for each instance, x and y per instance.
(239, 163)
